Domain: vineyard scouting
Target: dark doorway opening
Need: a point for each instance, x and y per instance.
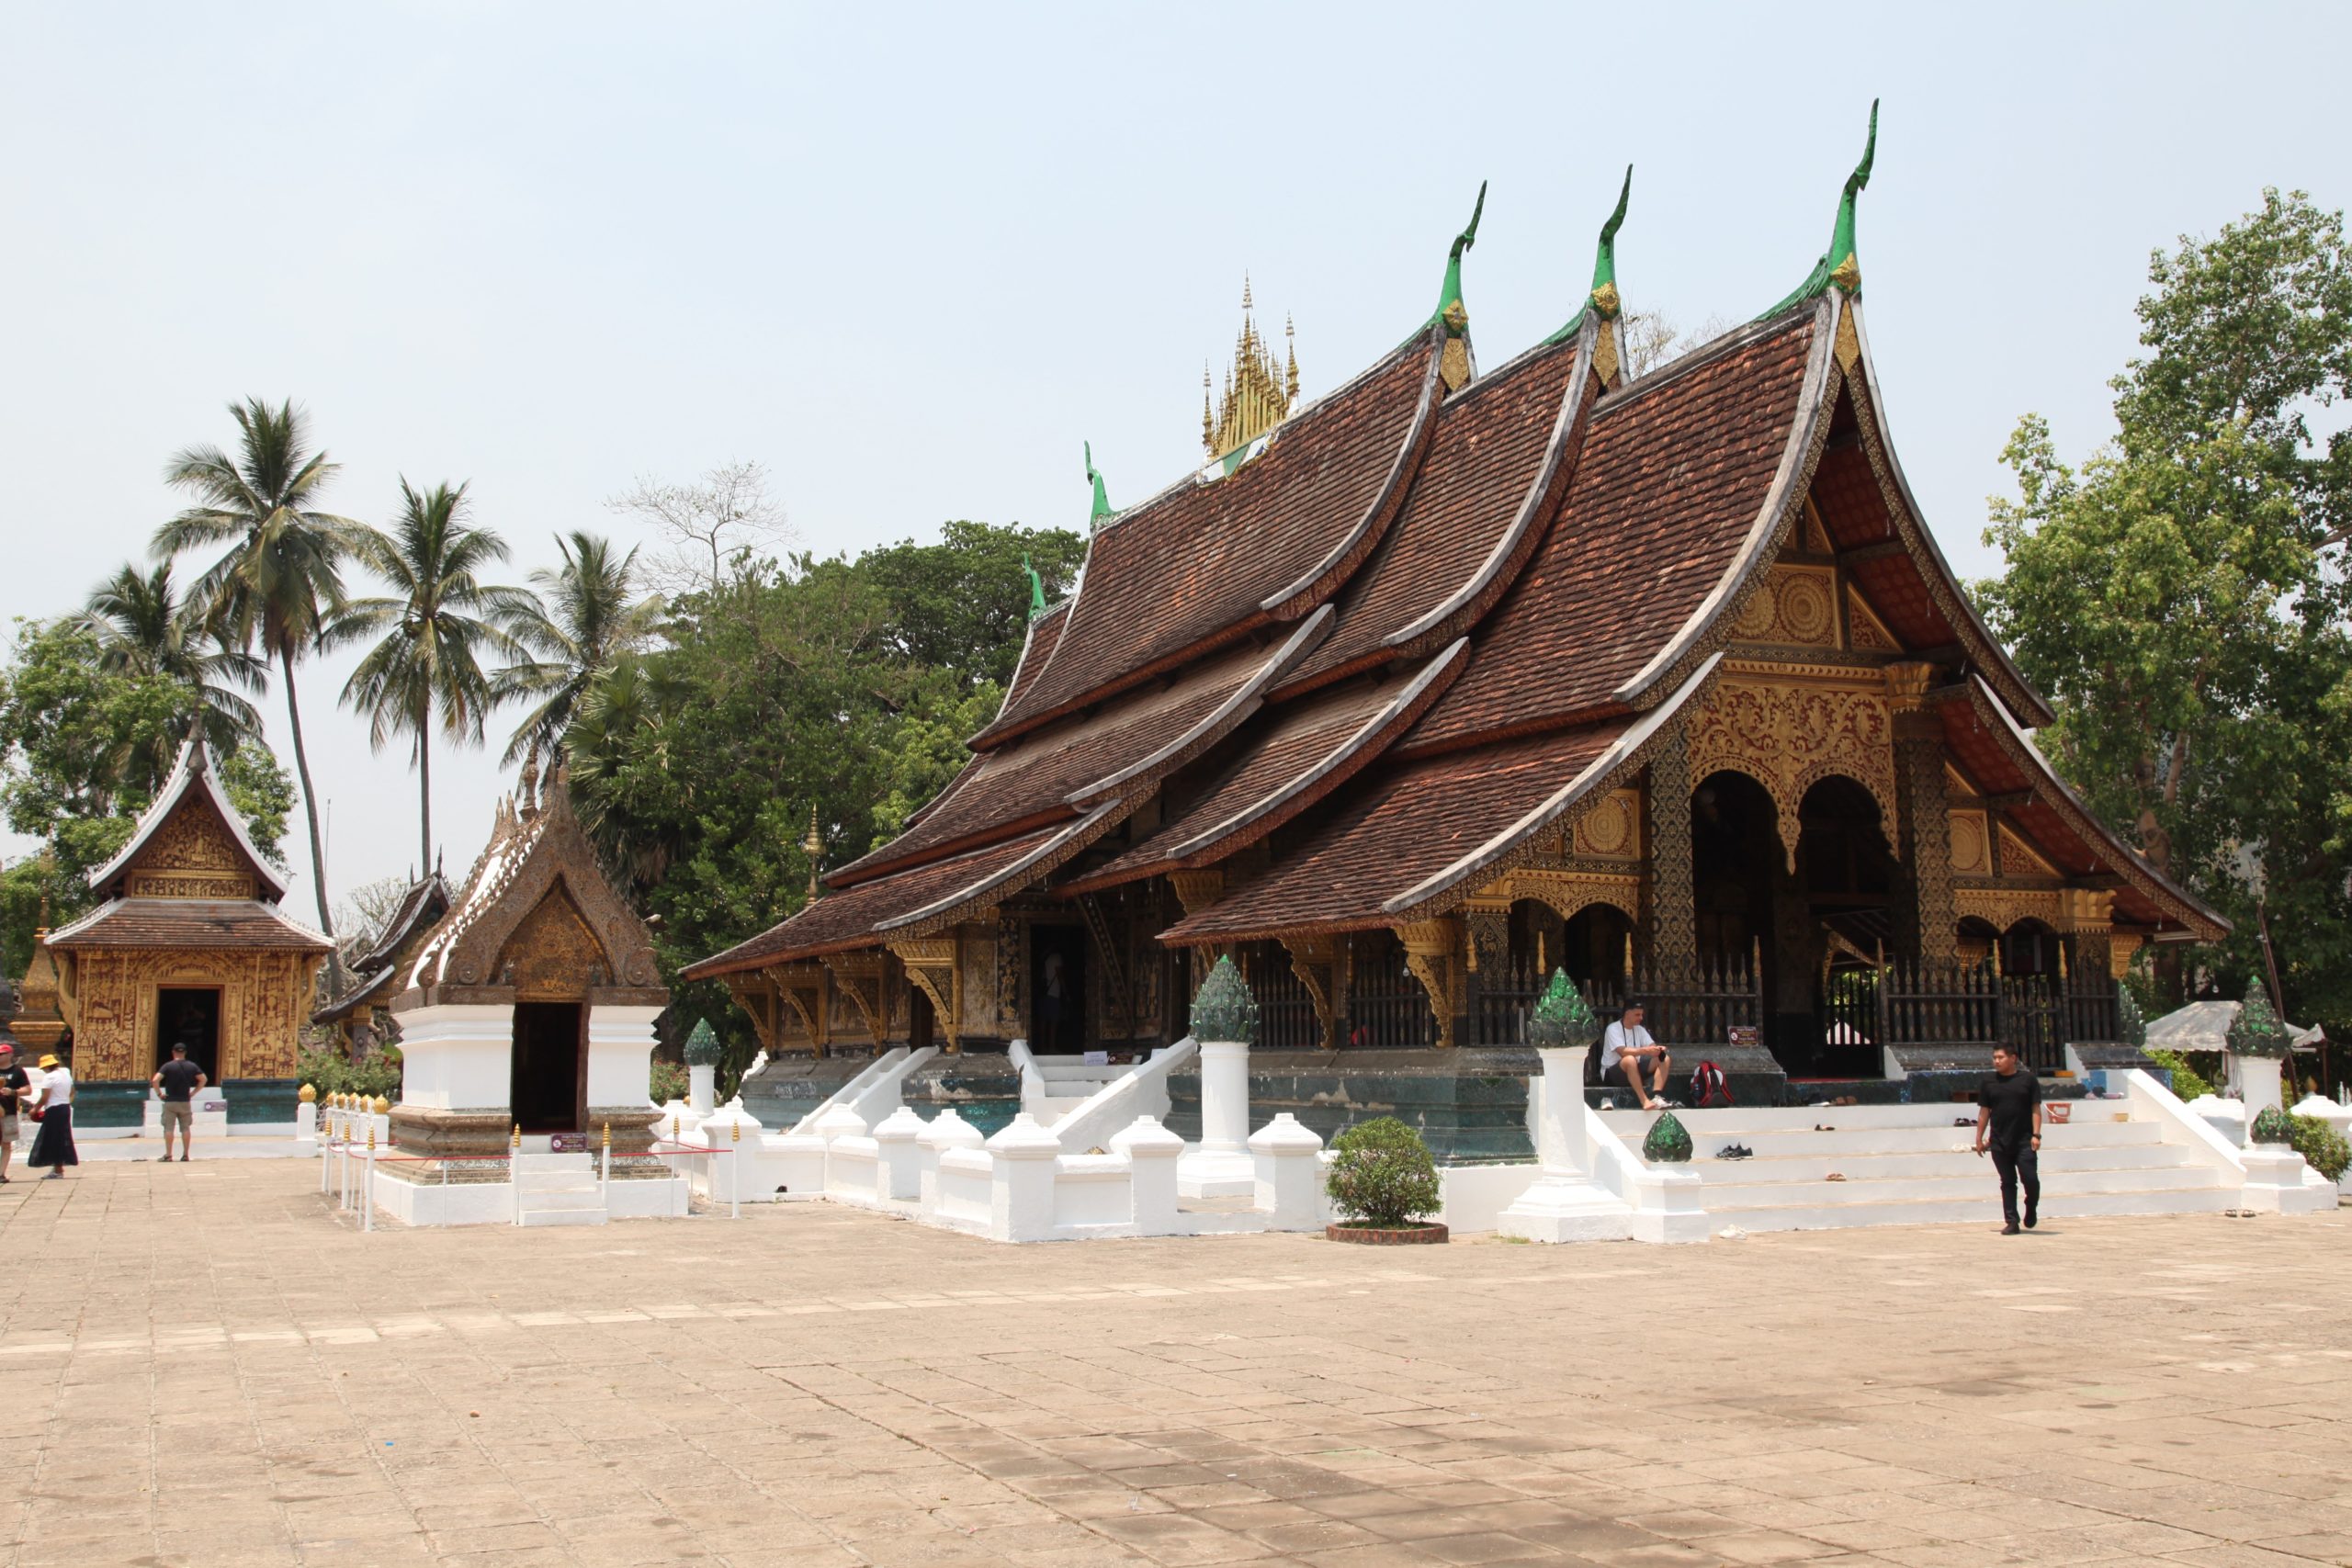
(1057, 990)
(190, 1018)
(550, 1046)
(1849, 874)
(919, 1019)
(1742, 890)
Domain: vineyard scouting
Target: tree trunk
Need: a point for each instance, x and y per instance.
(424, 787)
(310, 809)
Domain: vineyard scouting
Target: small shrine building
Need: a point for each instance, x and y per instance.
(188, 946)
(1418, 690)
(361, 1013)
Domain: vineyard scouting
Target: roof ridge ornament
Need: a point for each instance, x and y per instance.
(1102, 507)
(1036, 604)
(1603, 299)
(1838, 265)
(1260, 392)
(1455, 366)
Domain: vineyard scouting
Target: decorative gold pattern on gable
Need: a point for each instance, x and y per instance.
(1956, 784)
(2019, 859)
(192, 855)
(1788, 735)
(1968, 856)
(551, 954)
(1815, 533)
(1795, 605)
(1610, 828)
(1869, 633)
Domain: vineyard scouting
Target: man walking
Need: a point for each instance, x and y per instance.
(180, 1079)
(2008, 1121)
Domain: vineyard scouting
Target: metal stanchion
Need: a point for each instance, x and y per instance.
(735, 1171)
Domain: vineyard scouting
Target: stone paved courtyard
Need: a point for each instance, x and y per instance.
(203, 1364)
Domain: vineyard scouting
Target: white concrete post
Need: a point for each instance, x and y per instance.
(1220, 1166)
(1020, 1186)
(2259, 1075)
(947, 1131)
(901, 1160)
(702, 1092)
(1287, 1158)
(1151, 1152)
(306, 1125)
(1566, 1202)
(733, 1173)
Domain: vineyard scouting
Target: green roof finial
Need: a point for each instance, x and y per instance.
(1602, 296)
(1450, 295)
(1036, 589)
(1838, 264)
(1101, 496)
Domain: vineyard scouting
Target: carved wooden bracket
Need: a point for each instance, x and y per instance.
(931, 965)
(1115, 972)
(803, 986)
(859, 974)
(1430, 954)
(1317, 962)
(756, 995)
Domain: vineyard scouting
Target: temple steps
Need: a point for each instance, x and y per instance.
(557, 1189)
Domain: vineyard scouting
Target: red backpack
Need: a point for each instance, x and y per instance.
(1708, 1087)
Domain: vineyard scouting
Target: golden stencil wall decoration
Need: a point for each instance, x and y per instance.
(1790, 737)
(193, 839)
(2019, 859)
(1796, 606)
(1610, 829)
(1968, 844)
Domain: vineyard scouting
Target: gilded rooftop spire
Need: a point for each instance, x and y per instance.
(1838, 265)
(1259, 390)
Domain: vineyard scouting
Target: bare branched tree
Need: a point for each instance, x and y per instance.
(704, 524)
(1652, 339)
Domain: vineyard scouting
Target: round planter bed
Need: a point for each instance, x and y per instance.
(1385, 1235)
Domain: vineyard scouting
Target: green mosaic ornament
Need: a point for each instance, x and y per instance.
(1668, 1141)
(2131, 1026)
(1223, 1010)
(1561, 1017)
(2258, 1031)
(2273, 1126)
(702, 1045)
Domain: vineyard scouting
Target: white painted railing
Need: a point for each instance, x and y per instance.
(1141, 1091)
(875, 1091)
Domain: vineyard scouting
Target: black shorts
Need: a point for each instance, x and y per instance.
(1615, 1077)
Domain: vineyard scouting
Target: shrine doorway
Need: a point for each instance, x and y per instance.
(548, 1091)
(1741, 892)
(1846, 873)
(1057, 990)
(190, 1016)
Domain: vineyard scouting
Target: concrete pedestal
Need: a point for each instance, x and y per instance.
(1221, 1166)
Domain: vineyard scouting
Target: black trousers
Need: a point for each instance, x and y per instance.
(2018, 1162)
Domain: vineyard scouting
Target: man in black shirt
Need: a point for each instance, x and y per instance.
(13, 1083)
(180, 1079)
(2008, 1121)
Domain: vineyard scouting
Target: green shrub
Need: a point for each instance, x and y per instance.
(2185, 1083)
(2322, 1146)
(668, 1081)
(1381, 1175)
(330, 1072)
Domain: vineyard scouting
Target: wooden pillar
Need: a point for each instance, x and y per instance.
(1929, 925)
(1673, 896)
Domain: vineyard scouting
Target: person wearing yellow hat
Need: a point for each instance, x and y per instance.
(53, 1144)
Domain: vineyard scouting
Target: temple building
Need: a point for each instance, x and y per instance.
(188, 947)
(1453, 675)
(361, 1012)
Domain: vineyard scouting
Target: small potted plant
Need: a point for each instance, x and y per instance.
(1382, 1180)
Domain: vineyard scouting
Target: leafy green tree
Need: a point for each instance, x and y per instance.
(2181, 596)
(925, 747)
(583, 616)
(425, 671)
(963, 603)
(280, 578)
(143, 627)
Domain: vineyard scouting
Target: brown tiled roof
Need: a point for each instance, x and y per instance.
(1407, 824)
(1049, 775)
(846, 919)
(1987, 741)
(1289, 759)
(1488, 450)
(1204, 562)
(244, 923)
(377, 987)
(1664, 509)
(425, 901)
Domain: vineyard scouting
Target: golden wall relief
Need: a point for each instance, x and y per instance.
(1788, 731)
(263, 996)
(980, 965)
(193, 839)
(1969, 856)
(2002, 907)
(1865, 632)
(189, 885)
(1611, 827)
(551, 956)
(1796, 606)
(1567, 893)
(2019, 859)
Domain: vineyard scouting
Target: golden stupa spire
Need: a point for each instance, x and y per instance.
(1259, 390)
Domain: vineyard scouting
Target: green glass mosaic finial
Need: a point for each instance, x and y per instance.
(2258, 1031)
(1036, 590)
(1101, 494)
(1668, 1141)
(1839, 265)
(1225, 1010)
(2130, 1025)
(1561, 1017)
(702, 1045)
(1602, 296)
(1450, 295)
(2273, 1126)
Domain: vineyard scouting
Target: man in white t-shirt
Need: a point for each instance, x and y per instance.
(1627, 1050)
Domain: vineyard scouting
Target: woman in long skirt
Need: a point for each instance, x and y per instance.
(53, 1144)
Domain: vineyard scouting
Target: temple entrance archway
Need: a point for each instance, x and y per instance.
(190, 1016)
(1846, 873)
(1057, 990)
(549, 1087)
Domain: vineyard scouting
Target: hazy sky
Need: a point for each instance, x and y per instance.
(908, 258)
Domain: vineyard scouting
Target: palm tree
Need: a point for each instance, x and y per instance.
(282, 574)
(440, 617)
(144, 628)
(579, 623)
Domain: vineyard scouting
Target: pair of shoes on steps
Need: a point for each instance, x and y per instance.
(1735, 1151)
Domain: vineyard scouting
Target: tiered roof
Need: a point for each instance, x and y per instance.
(377, 973)
(1445, 621)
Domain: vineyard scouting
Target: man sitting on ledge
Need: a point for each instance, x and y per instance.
(1626, 1049)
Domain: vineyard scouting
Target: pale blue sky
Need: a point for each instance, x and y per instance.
(908, 258)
